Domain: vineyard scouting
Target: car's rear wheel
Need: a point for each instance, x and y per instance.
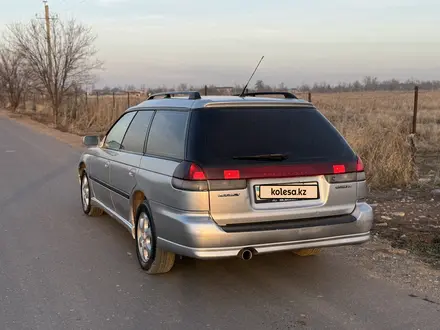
(152, 259)
(86, 198)
(307, 252)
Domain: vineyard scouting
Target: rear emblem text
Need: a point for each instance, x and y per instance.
(229, 195)
(343, 186)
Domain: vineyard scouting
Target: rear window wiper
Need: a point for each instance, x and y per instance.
(274, 157)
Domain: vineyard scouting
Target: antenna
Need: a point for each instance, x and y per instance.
(245, 87)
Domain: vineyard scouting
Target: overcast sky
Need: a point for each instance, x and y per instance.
(219, 42)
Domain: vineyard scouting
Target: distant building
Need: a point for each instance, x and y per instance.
(137, 93)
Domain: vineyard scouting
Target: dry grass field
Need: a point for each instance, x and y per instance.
(377, 124)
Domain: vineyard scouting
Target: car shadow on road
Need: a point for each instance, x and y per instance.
(326, 270)
(278, 272)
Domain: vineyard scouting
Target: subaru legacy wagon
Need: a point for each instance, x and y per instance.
(233, 176)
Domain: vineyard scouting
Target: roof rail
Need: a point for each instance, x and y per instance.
(286, 95)
(167, 95)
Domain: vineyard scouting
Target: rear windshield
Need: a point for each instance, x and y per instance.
(220, 137)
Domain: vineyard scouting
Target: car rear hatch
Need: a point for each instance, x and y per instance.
(270, 164)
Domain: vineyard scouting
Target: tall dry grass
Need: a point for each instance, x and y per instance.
(376, 124)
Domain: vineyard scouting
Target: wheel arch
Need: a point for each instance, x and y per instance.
(137, 198)
(81, 169)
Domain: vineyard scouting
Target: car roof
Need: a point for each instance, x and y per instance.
(219, 101)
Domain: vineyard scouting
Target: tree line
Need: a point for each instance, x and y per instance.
(372, 84)
(367, 84)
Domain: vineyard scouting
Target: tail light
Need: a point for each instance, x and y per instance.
(196, 173)
(190, 176)
(342, 175)
(337, 169)
(359, 165)
(360, 170)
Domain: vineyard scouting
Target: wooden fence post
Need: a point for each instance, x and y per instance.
(414, 132)
(75, 107)
(128, 99)
(87, 104)
(206, 90)
(310, 97)
(416, 106)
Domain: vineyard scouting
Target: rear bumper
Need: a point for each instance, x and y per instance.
(197, 235)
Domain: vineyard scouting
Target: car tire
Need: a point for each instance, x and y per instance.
(152, 259)
(307, 252)
(86, 198)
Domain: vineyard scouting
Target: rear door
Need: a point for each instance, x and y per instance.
(125, 162)
(276, 160)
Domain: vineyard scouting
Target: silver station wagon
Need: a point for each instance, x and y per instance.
(216, 177)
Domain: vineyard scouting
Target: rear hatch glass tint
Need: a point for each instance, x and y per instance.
(225, 137)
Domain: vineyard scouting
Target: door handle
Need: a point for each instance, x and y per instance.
(131, 173)
(106, 164)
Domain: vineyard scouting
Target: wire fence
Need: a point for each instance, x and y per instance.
(100, 109)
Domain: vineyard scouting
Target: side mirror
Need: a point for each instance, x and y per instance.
(90, 140)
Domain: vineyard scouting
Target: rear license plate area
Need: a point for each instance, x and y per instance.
(277, 193)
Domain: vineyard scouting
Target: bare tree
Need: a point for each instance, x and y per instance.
(57, 69)
(260, 86)
(182, 87)
(13, 76)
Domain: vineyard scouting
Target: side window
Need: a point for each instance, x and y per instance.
(116, 134)
(167, 134)
(137, 132)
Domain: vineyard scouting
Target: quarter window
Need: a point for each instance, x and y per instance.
(167, 134)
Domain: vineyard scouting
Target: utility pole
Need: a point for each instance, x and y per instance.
(49, 47)
(47, 18)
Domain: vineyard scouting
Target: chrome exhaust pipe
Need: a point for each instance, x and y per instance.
(245, 254)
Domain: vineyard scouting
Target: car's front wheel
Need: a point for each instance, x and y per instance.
(152, 259)
(86, 198)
